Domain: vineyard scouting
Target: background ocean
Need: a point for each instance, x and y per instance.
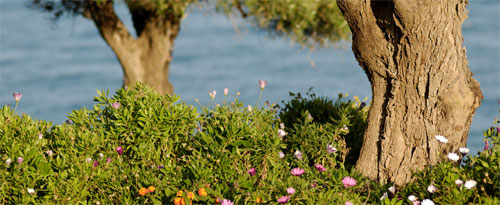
(59, 66)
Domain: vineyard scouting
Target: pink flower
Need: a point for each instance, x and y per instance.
(226, 202)
(486, 144)
(330, 149)
(431, 188)
(40, 136)
(281, 133)
(283, 199)
(226, 90)
(416, 202)
(320, 167)
(96, 163)
(262, 84)
(212, 94)
(17, 96)
(108, 160)
(348, 182)
(249, 108)
(297, 154)
(297, 171)
(119, 149)
(348, 203)
(115, 105)
(20, 160)
(281, 154)
(252, 171)
(290, 190)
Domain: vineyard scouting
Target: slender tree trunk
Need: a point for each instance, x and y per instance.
(146, 58)
(413, 55)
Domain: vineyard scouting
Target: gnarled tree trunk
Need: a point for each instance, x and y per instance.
(146, 58)
(413, 55)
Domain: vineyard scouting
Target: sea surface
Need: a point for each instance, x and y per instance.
(58, 66)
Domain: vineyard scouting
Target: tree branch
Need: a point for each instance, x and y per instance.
(109, 24)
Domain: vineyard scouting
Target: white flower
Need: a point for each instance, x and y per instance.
(453, 157)
(8, 161)
(298, 154)
(442, 139)
(101, 155)
(31, 191)
(345, 128)
(431, 188)
(469, 184)
(281, 133)
(383, 196)
(412, 198)
(464, 150)
(330, 149)
(427, 202)
(40, 136)
(392, 189)
(249, 108)
(88, 160)
(459, 182)
(49, 152)
(282, 126)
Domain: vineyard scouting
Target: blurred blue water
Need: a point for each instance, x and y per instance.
(59, 66)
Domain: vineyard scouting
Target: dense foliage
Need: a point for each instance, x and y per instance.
(141, 147)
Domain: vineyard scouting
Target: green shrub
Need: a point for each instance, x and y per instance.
(344, 120)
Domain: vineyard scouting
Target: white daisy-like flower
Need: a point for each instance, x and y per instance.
(459, 182)
(88, 160)
(412, 198)
(384, 196)
(392, 189)
(464, 150)
(431, 188)
(8, 161)
(453, 157)
(31, 191)
(101, 155)
(469, 184)
(441, 139)
(298, 154)
(427, 202)
(49, 152)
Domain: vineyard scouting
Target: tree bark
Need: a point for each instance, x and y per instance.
(146, 58)
(412, 53)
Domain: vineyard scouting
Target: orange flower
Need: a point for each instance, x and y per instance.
(143, 191)
(190, 195)
(258, 200)
(202, 192)
(179, 201)
(151, 189)
(217, 201)
(179, 193)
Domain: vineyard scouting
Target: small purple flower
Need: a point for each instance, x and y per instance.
(290, 190)
(119, 149)
(115, 105)
(20, 160)
(252, 171)
(281, 154)
(108, 160)
(320, 167)
(69, 122)
(96, 163)
(330, 149)
(17, 96)
(283, 199)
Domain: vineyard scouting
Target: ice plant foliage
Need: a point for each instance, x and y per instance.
(297, 171)
(441, 139)
(348, 182)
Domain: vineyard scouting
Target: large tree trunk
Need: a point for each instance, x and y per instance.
(146, 58)
(413, 55)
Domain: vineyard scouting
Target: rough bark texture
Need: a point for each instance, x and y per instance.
(145, 58)
(413, 55)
